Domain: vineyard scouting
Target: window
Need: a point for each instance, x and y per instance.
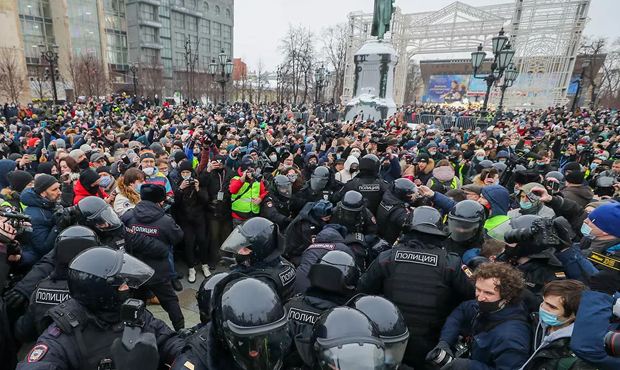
(217, 29)
(148, 12)
(217, 10)
(179, 60)
(149, 56)
(227, 13)
(206, 7)
(205, 27)
(166, 51)
(167, 67)
(217, 47)
(164, 31)
(177, 21)
(226, 31)
(179, 40)
(148, 34)
(205, 46)
(191, 23)
(227, 49)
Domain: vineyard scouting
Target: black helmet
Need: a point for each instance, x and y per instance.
(259, 236)
(390, 323)
(69, 243)
(521, 235)
(352, 201)
(319, 178)
(335, 272)
(254, 324)
(369, 165)
(404, 188)
(322, 208)
(204, 295)
(283, 185)
(426, 220)
(97, 214)
(96, 274)
(346, 339)
(465, 220)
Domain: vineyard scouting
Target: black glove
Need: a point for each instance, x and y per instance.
(430, 356)
(15, 301)
(458, 364)
(63, 218)
(143, 356)
(605, 281)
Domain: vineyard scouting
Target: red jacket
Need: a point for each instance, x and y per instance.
(236, 184)
(80, 193)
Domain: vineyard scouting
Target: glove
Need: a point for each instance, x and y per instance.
(605, 281)
(143, 356)
(15, 301)
(458, 364)
(430, 356)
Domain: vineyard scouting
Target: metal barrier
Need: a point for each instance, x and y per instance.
(443, 122)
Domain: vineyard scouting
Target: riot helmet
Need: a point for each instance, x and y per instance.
(322, 208)
(521, 235)
(253, 241)
(465, 220)
(349, 208)
(403, 189)
(319, 178)
(335, 272)
(346, 339)
(369, 165)
(97, 214)
(254, 324)
(69, 243)
(97, 278)
(205, 294)
(426, 220)
(390, 323)
(283, 186)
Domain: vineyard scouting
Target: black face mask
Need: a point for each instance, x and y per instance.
(84, 164)
(490, 307)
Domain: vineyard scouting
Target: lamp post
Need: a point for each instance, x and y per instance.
(133, 69)
(510, 75)
(502, 57)
(584, 66)
(320, 76)
(51, 56)
(221, 71)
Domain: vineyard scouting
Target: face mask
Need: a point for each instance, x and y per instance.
(513, 146)
(526, 150)
(586, 230)
(502, 160)
(137, 187)
(196, 151)
(356, 154)
(548, 318)
(149, 171)
(292, 178)
(273, 158)
(540, 163)
(186, 177)
(593, 166)
(579, 148)
(105, 181)
(490, 307)
(173, 164)
(524, 204)
(480, 158)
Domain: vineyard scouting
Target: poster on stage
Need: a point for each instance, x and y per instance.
(447, 88)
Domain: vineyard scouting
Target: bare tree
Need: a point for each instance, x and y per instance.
(593, 50)
(87, 74)
(609, 93)
(414, 81)
(262, 77)
(298, 49)
(150, 79)
(38, 81)
(334, 40)
(12, 76)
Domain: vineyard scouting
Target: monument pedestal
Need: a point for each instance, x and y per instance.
(374, 81)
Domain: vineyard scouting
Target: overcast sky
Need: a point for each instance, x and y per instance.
(261, 24)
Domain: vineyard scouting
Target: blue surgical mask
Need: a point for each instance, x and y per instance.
(105, 181)
(586, 230)
(137, 187)
(480, 158)
(548, 318)
(524, 204)
(593, 166)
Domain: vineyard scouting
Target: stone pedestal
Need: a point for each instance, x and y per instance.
(374, 81)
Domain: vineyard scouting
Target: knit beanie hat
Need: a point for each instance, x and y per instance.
(88, 178)
(607, 218)
(43, 182)
(19, 179)
(185, 165)
(152, 193)
(574, 177)
(45, 167)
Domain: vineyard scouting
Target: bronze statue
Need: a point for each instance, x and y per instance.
(382, 17)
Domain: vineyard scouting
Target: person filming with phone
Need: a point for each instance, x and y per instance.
(247, 191)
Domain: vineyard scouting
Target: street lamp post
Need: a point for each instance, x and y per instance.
(502, 57)
(584, 66)
(320, 75)
(133, 69)
(51, 56)
(510, 75)
(221, 71)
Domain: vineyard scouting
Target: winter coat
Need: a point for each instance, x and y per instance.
(345, 174)
(81, 193)
(544, 211)
(122, 204)
(581, 195)
(190, 204)
(44, 231)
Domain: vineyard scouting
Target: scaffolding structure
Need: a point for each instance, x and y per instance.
(544, 33)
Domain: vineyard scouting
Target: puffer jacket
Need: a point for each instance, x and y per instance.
(44, 230)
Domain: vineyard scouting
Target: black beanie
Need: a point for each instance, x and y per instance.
(152, 193)
(88, 178)
(572, 166)
(574, 177)
(179, 156)
(45, 167)
(19, 179)
(185, 165)
(43, 182)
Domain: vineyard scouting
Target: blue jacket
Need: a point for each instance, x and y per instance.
(44, 231)
(576, 265)
(392, 172)
(591, 325)
(506, 346)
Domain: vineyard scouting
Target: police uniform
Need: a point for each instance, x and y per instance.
(421, 279)
(202, 351)
(79, 340)
(365, 224)
(279, 273)
(391, 217)
(372, 188)
(277, 210)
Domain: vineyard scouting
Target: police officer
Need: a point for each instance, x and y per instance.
(352, 213)
(318, 188)
(466, 227)
(249, 330)
(54, 289)
(85, 326)
(422, 279)
(367, 182)
(390, 323)
(258, 254)
(344, 338)
(394, 209)
(304, 228)
(277, 204)
(332, 283)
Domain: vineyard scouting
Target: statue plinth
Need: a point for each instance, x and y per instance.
(374, 81)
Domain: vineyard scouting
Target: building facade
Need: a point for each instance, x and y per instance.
(170, 41)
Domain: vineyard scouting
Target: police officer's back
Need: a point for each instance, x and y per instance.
(258, 252)
(276, 206)
(86, 325)
(394, 209)
(367, 182)
(304, 228)
(422, 279)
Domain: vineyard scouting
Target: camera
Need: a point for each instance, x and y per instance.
(17, 221)
(132, 312)
(541, 233)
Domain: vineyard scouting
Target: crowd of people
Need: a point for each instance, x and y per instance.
(360, 244)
